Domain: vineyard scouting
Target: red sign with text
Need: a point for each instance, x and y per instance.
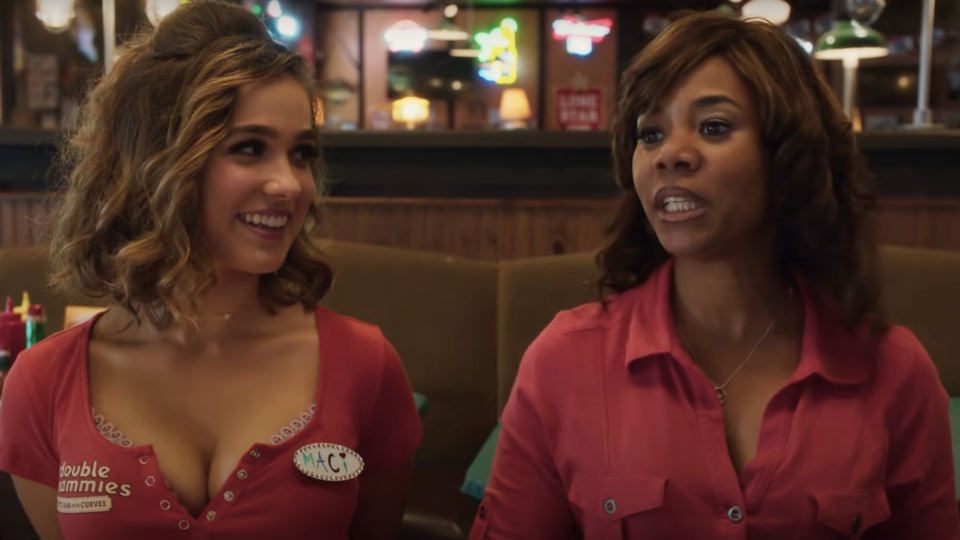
(579, 109)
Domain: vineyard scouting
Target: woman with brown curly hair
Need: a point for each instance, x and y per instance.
(214, 399)
(741, 381)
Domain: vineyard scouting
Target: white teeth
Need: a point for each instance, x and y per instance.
(676, 204)
(273, 222)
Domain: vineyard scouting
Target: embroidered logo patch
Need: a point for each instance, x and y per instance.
(326, 461)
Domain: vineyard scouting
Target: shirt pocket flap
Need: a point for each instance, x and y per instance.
(852, 510)
(616, 496)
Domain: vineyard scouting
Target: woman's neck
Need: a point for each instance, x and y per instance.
(230, 308)
(731, 300)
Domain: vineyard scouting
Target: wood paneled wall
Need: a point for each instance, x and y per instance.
(501, 229)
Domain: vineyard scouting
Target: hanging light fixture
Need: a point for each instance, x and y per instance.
(56, 15)
(775, 11)
(447, 31)
(470, 50)
(158, 9)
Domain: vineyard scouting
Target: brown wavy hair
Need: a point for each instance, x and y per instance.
(128, 226)
(820, 195)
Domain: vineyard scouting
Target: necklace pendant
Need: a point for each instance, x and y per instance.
(721, 395)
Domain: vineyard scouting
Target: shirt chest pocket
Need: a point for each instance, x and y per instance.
(605, 501)
(843, 514)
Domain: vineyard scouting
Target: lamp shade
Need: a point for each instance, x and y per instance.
(56, 15)
(850, 39)
(775, 11)
(410, 110)
(514, 105)
(158, 9)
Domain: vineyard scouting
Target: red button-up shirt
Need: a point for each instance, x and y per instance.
(110, 492)
(612, 432)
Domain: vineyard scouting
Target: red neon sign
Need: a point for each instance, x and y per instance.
(568, 27)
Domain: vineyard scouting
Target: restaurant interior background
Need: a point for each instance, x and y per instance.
(480, 128)
(468, 65)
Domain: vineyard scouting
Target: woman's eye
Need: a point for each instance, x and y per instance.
(306, 152)
(248, 148)
(650, 136)
(713, 128)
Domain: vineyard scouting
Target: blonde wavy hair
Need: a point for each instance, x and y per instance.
(129, 212)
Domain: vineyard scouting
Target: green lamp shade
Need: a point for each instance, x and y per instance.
(849, 38)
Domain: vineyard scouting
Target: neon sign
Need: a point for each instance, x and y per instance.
(498, 53)
(406, 36)
(581, 34)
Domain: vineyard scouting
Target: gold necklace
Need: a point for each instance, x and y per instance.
(721, 393)
(227, 315)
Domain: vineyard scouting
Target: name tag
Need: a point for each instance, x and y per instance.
(329, 462)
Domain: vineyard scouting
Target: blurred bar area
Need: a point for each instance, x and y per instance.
(481, 128)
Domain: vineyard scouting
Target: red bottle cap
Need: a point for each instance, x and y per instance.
(35, 310)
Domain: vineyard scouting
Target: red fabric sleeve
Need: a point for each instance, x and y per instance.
(920, 480)
(393, 431)
(525, 498)
(27, 448)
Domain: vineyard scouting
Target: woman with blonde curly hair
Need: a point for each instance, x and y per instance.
(214, 399)
(741, 381)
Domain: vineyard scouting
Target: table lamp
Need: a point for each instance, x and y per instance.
(410, 111)
(514, 109)
(849, 41)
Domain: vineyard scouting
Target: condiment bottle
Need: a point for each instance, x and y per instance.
(36, 325)
(13, 331)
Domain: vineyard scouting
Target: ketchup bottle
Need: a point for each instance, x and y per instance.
(13, 331)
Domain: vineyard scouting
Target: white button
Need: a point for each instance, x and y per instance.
(242, 474)
(150, 480)
(184, 524)
(144, 460)
(610, 506)
(165, 505)
(228, 495)
(735, 514)
(210, 515)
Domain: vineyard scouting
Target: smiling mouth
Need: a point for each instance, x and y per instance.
(264, 221)
(677, 205)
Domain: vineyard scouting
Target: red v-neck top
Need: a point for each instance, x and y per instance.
(612, 431)
(106, 491)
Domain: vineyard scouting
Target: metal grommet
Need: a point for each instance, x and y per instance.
(735, 514)
(210, 515)
(184, 524)
(242, 474)
(165, 505)
(150, 481)
(228, 496)
(255, 453)
(610, 506)
(144, 460)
